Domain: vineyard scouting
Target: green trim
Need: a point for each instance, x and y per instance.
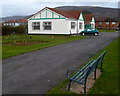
(40, 14)
(46, 13)
(81, 19)
(45, 18)
(52, 14)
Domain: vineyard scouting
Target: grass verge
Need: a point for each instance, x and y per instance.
(107, 30)
(52, 40)
(108, 81)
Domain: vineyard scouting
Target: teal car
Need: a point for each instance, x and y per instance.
(90, 31)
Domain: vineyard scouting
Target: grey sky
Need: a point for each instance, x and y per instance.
(11, 7)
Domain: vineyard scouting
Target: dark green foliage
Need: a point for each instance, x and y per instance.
(7, 30)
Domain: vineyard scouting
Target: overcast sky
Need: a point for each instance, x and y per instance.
(28, 7)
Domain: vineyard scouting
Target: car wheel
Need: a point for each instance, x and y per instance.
(83, 34)
(96, 34)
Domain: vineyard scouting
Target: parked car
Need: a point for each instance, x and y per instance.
(90, 31)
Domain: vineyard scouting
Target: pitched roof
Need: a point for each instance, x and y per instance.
(88, 17)
(68, 14)
(74, 14)
(105, 19)
(23, 20)
(11, 21)
(101, 19)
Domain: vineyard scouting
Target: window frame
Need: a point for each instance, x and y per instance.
(35, 25)
(47, 26)
(73, 25)
(113, 22)
(80, 25)
(100, 22)
(107, 22)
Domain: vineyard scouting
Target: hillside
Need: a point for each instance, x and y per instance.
(12, 18)
(97, 11)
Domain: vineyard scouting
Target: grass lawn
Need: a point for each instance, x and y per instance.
(107, 82)
(107, 30)
(13, 45)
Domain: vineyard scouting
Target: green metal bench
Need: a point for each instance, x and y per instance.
(81, 75)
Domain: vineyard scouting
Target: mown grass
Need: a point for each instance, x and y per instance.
(107, 30)
(12, 50)
(107, 82)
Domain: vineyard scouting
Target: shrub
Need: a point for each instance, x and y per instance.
(7, 30)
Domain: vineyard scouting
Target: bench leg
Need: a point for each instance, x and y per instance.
(95, 74)
(84, 89)
(69, 85)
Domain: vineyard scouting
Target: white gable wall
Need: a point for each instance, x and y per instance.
(81, 20)
(47, 13)
(37, 15)
(93, 22)
(43, 14)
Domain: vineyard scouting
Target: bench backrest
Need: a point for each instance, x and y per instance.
(85, 71)
(88, 68)
(100, 58)
(91, 68)
(81, 71)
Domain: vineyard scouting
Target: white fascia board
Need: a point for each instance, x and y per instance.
(37, 13)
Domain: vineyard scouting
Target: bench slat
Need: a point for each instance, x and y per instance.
(81, 75)
(88, 71)
(80, 72)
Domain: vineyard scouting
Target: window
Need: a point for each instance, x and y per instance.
(113, 22)
(107, 27)
(100, 22)
(36, 25)
(99, 26)
(92, 26)
(93, 29)
(47, 25)
(88, 29)
(80, 25)
(107, 22)
(113, 27)
(73, 24)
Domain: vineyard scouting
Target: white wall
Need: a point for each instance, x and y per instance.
(79, 30)
(93, 22)
(72, 31)
(59, 26)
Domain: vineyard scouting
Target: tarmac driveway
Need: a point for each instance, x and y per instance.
(39, 71)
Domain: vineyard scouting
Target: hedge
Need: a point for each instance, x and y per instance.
(7, 30)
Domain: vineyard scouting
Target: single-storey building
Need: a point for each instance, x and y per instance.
(19, 22)
(54, 21)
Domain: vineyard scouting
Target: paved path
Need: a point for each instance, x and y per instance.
(39, 71)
